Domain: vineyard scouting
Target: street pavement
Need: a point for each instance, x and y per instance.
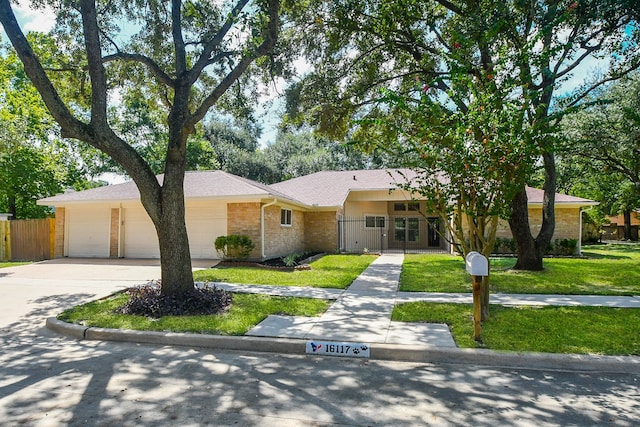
(51, 380)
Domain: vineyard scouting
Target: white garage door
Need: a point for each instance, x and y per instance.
(140, 238)
(204, 224)
(88, 231)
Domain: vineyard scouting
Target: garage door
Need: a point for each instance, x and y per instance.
(88, 231)
(140, 238)
(204, 224)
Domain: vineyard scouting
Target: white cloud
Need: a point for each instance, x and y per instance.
(32, 19)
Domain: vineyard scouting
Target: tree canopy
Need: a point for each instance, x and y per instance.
(34, 161)
(188, 56)
(603, 139)
(522, 51)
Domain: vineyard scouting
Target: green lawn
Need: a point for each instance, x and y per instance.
(585, 330)
(246, 311)
(12, 264)
(330, 271)
(605, 270)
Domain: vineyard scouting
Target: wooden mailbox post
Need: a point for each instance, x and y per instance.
(478, 267)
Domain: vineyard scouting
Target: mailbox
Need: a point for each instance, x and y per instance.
(477, 264)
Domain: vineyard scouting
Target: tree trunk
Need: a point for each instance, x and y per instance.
(13, 209)
(530, 250)
(627, 224)
(175, 256)
(526, 249)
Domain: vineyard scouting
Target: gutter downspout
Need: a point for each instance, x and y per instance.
(275, 200)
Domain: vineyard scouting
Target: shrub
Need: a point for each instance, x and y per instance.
(563, 247)
(149, 302)
(291, 260)
(234, 247)
(504, 245)
(507, 245)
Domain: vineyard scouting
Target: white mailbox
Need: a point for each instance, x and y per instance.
(477, 264)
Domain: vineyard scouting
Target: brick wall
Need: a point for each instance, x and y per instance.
(567, 223)
(58, 246)
(244, 218)
(283, 240)
(321, 231)
(114, 232)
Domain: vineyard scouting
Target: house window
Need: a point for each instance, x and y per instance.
(371, 221)
(285, 217)
(399, 207)
(402, 206)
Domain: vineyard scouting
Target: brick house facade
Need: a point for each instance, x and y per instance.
(308, 213)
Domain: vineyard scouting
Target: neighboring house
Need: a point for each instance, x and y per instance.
(614, 230)
(329, 211)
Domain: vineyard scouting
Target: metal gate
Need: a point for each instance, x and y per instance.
(390, 233)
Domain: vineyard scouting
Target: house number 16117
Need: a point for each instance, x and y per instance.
(342, 349)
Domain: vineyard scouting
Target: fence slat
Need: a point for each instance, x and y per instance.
(31, 239)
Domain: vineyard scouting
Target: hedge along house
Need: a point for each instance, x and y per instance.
(349, 211)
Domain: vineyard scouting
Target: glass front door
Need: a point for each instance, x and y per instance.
(406, 232)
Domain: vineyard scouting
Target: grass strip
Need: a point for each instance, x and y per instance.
(246, 311)
(330, 271)
(12, 264)
(582, 330)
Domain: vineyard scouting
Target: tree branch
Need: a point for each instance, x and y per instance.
(70, 126)
(450, 6)
(150, 63)
(94, 57)
(205, 56)
(178, 40)
(263, 49)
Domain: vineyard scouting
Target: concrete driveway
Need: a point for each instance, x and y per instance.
(45, 288)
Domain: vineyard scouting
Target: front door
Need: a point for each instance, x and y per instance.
(406, 233)
(434, 232)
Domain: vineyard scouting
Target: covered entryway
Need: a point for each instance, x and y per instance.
(413, 232)
(405, 233)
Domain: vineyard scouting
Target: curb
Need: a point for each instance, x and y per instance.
(389, 352)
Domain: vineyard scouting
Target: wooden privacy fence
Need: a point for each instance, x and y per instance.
(27, 239)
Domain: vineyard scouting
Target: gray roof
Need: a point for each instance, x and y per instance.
(331, 188)
(535, 197)
(197, 184)
(320, 189)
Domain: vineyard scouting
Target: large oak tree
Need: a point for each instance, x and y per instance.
(358, 47)
(188, 54)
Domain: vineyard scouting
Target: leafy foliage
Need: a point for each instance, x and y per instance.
(34, 161)
(234, 247)
(186, 57)
(519, 52)
(603, 148)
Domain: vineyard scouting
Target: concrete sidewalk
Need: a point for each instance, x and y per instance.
(362, 313)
